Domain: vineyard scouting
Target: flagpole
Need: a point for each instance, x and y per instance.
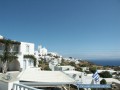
(96, 81)
(96, 77)
(96, 88)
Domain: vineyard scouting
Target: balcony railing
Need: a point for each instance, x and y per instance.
(23, 87)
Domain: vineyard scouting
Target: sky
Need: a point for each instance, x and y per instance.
(85, 29)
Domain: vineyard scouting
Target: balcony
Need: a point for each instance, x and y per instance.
(23, 87)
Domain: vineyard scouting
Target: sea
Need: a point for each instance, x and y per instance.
(106, 62)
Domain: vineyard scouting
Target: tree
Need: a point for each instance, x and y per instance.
(92, 69)
(103, 81)
(8, 53)
(72, 64)
(47, 68)
(105, 74)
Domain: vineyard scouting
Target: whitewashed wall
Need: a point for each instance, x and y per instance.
(23, 48)
(7, 85)
(24, 52)
(64, 68)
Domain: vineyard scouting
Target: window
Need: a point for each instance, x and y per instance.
(27, 48)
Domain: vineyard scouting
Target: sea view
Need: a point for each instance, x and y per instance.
(113, 62)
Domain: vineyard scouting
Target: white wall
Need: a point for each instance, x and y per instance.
(14, 65)
(85, 68)
(23, 48)
(42, 51)
(64, 68)
(23, 52)
(51, 66)
(29, 63)
(7, 85)
(3, 85)
(74, 74)
(10, 84)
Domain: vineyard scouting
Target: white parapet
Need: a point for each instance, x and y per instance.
(23, 87)
(7, 85)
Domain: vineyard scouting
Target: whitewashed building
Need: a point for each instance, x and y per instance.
(64, 68)
(26, 49)
(53, 63)
(42, 51)
(21, 63)
(85, 68)
(76, 75)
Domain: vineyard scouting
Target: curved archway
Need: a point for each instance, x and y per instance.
(14, 65)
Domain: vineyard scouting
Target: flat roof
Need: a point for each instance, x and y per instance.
(45, 77)
(99, 71)
(73, 72)
(65, 66)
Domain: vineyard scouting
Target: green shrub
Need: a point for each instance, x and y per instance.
(47, 68)
(105, 74)
(103, 81)
(92, 69)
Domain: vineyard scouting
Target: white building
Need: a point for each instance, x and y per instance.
(21, 62)
(26, 49)
(76, 75)
(53, 63)
(53, 54)
(85, 68)
(64, 68)
(42, 51)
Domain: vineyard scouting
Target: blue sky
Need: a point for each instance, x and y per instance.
(88, 29)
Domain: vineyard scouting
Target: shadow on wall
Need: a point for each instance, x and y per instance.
(14, 66)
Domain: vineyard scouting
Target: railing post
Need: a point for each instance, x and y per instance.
(17, 87)
(13, 88)
(23, 87)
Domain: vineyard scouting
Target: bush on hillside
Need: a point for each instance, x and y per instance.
(72, 64)
(92, 69)
(105, 74)
(47, 68)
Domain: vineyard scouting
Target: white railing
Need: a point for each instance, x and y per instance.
(23, 87)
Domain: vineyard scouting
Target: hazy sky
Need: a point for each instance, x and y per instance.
(87, 29)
